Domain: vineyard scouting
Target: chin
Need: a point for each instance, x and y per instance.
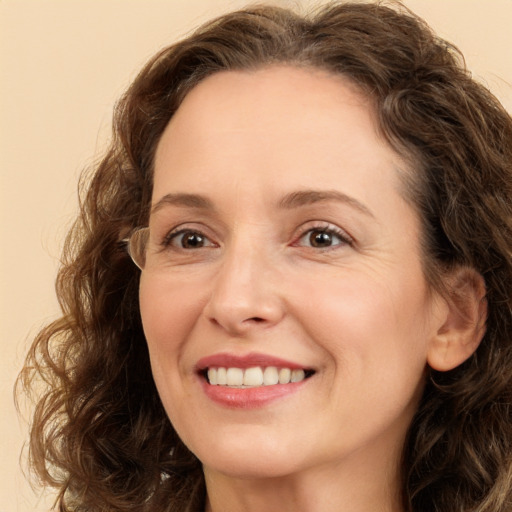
(264, 468)
(259, 459)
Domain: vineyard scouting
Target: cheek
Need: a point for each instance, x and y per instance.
(168, 310)
(368, 323)
(374, 352)
(169, 313)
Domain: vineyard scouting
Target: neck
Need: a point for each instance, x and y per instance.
(340, 488)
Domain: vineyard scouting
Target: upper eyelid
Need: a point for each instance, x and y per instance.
(165, 226)
(196, 226)
(179, 230)
(326, 226)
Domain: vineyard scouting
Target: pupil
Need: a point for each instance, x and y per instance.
(320, 239)
(192, 240)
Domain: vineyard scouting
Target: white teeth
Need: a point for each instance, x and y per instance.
(212, 376)
(297, 375)
(270, 376)
(221, 376)
(253, 377)
(234, 376)
(285, 375)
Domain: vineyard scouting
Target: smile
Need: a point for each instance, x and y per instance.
(251, 380)
(256, 376)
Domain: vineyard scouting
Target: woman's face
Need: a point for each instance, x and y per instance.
(280, 241)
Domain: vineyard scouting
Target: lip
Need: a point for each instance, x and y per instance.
(250, 398)
(244, 361)
(247, 398)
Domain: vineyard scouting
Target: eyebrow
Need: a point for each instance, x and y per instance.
(184, 201)
(307, 197)
(288, 202)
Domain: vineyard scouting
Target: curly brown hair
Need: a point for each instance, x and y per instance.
(100, 434)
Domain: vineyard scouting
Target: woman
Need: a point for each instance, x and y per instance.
(320, 209)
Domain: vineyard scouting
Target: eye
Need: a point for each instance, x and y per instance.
(323, 238)
(188, 239)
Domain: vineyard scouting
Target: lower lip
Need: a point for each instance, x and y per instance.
(249, 398)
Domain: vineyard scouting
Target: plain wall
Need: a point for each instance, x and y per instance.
(62, 65)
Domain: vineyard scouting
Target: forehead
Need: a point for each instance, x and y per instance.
(277, 88)
(280, 123)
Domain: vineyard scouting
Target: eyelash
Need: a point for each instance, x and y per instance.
(324, 228)
(173, 235)
(328, 229)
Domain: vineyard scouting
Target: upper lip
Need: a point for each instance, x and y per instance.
(226, 360)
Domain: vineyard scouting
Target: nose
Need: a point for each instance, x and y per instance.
(245, 292)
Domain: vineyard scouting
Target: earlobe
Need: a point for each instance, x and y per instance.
(464, 322)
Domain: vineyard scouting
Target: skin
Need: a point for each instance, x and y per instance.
(359, 312)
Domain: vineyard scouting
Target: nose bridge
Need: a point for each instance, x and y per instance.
(245, 292)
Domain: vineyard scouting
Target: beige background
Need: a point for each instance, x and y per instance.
(62, 65)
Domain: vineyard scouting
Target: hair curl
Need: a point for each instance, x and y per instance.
(100, 434)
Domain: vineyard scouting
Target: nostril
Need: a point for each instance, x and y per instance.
(255, 319)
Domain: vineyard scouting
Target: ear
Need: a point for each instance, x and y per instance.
(463, 323)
